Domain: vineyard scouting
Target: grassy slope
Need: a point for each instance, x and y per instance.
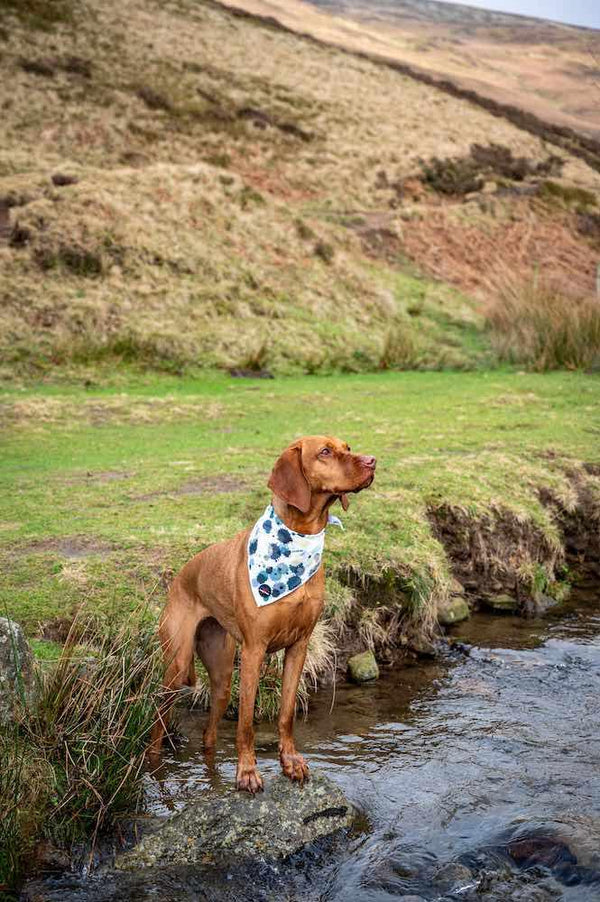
(107, 491)
(201, 231)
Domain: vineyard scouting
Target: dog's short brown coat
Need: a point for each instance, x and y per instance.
(211, 606)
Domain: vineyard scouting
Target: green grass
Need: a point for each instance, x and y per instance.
(107, 491)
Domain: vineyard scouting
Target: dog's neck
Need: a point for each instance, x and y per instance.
(310, 523)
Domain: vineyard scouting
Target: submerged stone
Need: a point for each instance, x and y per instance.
(16, 666)
(453, 611)
(225, 826)
(363, 668)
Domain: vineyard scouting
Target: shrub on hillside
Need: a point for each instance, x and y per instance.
(461, 175)
(543, 326)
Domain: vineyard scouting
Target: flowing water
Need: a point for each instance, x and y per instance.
(478, 777)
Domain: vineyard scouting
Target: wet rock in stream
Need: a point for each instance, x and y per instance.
(363, 668)
(219, 827)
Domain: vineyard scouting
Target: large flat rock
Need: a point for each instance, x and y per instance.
(220, 827)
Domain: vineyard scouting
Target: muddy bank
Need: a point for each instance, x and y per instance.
(511, 563)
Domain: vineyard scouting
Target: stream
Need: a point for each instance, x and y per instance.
(477, 776)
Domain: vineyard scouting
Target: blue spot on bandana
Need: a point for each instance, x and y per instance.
(267, 525)
(293, 582)
(284, 536)
(278, 571)
(297, 569)
(285, 550)
(261, 577)
(253, 546)
(275, 551)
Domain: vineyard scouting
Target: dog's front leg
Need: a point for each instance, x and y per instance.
(247, 776)
(293, 765)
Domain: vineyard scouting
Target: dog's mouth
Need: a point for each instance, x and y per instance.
(358, 488)
(365, 484)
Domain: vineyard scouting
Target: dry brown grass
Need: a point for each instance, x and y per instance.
(542, 324)
(197, 141)
(464, 243)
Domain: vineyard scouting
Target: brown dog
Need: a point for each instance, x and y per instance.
(211, 606)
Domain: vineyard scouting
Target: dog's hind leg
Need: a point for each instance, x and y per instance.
(177, 631)
(216, 649)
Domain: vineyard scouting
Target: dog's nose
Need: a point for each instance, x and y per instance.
(368, 460)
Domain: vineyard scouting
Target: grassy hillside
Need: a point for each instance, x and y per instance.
(182, 187)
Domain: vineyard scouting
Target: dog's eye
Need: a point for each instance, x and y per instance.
(325, 452)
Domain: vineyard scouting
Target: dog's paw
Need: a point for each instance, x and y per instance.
(294, 766)
(248, 779)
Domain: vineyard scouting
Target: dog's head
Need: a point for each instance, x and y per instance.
(318, 465)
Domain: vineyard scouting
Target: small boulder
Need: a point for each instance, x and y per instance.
(452, 876)
(363, 668)
(453, 611)
(456, 588)
(225, 826)
(422, 646)
(543, 603)
(16, 666)
(503, 604)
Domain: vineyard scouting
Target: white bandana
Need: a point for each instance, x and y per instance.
(279, 559)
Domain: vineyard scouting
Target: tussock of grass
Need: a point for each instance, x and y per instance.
(72, 762)
(542, 325)
(25, 787)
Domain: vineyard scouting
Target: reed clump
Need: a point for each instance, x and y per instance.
(543, 325)
(71, 762)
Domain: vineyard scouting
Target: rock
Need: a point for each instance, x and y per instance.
(453, 611)
(581, 833)
(16, 666)
(61, 179)
(456, 588)
(543, 603)
(452, 876)
(489, 188)
(422, 646)
(363, 668)
(502, 603)
(225, 826)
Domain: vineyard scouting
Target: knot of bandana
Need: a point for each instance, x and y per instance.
(279, 559)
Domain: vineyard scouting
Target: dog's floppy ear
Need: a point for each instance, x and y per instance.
(345, 502)
(287, 480)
